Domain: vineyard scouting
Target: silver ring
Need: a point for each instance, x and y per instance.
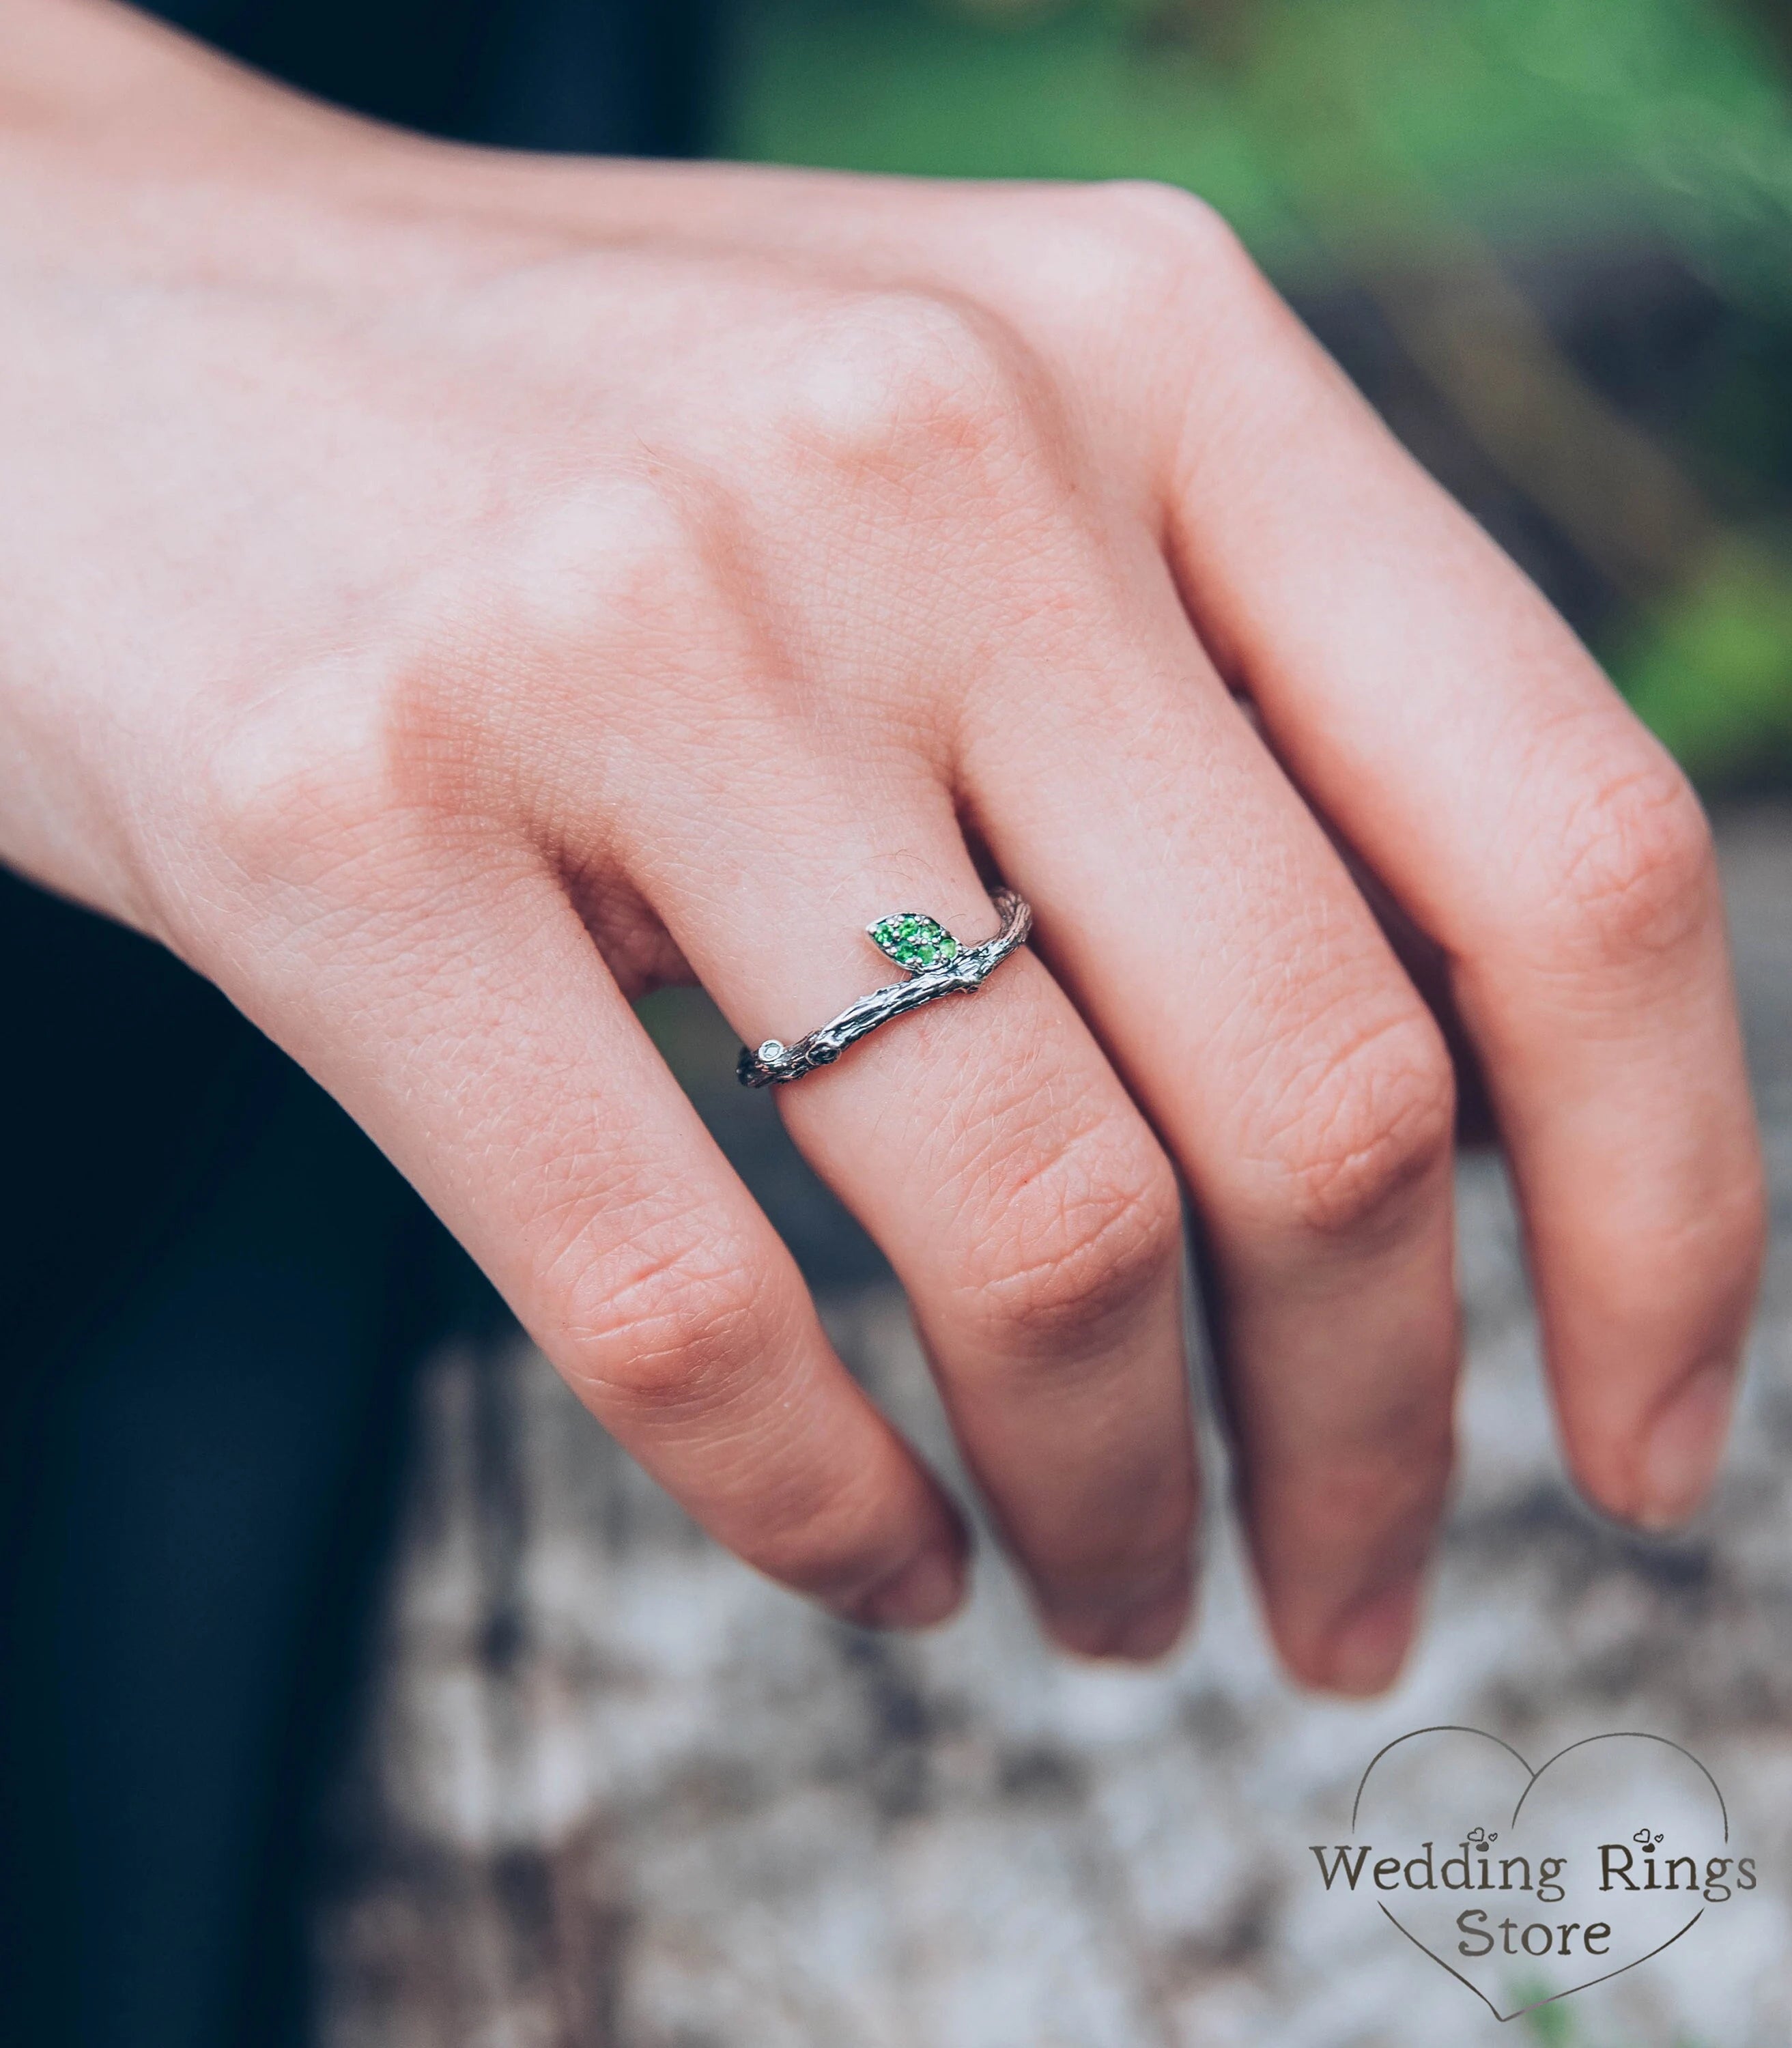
(937, 964)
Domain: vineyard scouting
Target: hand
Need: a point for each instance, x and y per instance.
(449, 594)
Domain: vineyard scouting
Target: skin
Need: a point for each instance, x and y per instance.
(448, 594)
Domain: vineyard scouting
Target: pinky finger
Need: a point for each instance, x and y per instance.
(476, 1034)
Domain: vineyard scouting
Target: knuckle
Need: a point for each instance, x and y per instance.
(1374, 1127)
(1634, 867)
(1154, 252)
(1153, 246)
(439, 717)
(616, 560)
(901, 377)
(1079, 1233)
(672, 1321)
(289, 787)
(648, 540)
(1171, 222)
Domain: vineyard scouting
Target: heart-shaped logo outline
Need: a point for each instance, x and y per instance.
(1612, 1735)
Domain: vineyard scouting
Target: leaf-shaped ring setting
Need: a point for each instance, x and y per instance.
(938, 965)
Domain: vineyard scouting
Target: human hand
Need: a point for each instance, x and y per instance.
(452, 593)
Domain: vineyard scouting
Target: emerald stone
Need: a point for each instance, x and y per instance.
(913, 941)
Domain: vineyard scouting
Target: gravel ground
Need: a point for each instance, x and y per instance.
(617, 1790)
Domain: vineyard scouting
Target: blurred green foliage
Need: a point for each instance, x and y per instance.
(1551, 2026)
(1519, 115)
(1710, 666)
(1559, 2024)
(1369, 143)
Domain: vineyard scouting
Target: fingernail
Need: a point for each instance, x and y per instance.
(1684, 1447)
(1134, 1634)
(1153, 1631)
(1370, 1645)
(924, 1592)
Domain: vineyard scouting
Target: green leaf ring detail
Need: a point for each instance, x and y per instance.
(937, 965)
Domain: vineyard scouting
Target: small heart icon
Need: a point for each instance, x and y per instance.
(1527, 1885)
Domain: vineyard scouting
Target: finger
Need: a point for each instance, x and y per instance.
(988, 1147)
(455, 1004)
(1442, 716)
(1203, 922)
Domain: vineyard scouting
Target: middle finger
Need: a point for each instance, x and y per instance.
(1196, 912)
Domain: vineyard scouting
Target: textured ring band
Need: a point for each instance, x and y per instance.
(938, 965)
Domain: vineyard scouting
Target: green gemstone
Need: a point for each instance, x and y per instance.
(914, 941)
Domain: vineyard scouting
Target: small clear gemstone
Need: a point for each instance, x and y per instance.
(770, 1053)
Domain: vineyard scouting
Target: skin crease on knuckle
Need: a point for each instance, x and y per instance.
(1064, 1217)
(1633, 872)
(1063, 1237)
(1627, 902)
(1065, 1272)
(654, 1309)
(675, 1332)
(1354, 1140)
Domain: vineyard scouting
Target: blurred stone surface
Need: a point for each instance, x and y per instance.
(619, 1793)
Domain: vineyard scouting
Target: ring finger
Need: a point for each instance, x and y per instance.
(989, 1147)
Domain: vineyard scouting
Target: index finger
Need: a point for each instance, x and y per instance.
(1443, 717)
